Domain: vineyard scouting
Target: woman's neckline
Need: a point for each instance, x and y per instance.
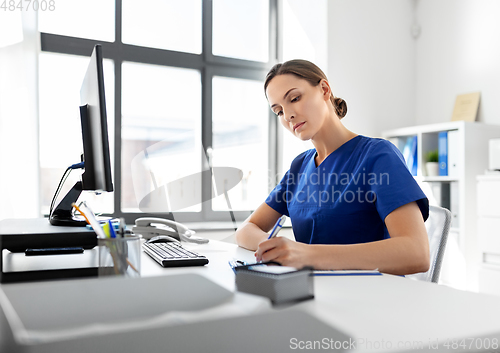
(333, 152)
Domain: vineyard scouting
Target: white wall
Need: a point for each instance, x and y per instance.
(371, 62)
(457, 52)
(305, 31)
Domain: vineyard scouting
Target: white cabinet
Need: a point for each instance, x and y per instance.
(488, 232)
(457, 190)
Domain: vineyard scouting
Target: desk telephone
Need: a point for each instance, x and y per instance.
(152, 227)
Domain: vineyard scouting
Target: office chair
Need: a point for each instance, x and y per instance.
(438, 226)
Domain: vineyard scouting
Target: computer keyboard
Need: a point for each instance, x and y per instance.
(173, 255)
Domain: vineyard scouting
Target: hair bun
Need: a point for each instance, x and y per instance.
(340, 107)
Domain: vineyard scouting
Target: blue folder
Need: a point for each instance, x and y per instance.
(443, 153)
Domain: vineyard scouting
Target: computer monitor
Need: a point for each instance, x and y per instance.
(97, 175)
(96, 158)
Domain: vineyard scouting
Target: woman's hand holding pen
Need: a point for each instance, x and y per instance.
(284, 251)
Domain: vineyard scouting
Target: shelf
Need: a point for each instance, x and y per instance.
(433, 128)
(456, 192)
(436, 178)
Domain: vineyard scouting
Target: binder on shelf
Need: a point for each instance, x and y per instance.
(453, 153)
(414, 165)
(443, 153)
(454, 204)
(440, 194)
(410, 154)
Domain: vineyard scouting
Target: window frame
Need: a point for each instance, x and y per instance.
(208, 65)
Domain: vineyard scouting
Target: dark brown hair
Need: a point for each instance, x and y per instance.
(311, 73)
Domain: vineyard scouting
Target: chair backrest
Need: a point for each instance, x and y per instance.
(438, 227)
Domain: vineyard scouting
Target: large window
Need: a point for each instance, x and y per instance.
(161, 134)
(185, 103)
(240, 139)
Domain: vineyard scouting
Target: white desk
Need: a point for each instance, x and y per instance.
(380, 313)
(389, 312)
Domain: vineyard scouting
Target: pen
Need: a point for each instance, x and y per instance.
(83, 214)
(277, 227)
(105, 228)
(90, 217)
(112, 233)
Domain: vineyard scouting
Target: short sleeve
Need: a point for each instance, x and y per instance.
(282, 194)
(394, 186)
(277, 199)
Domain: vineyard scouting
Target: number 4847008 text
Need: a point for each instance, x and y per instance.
(28, 5)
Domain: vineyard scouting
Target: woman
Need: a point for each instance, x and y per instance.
(352, 201)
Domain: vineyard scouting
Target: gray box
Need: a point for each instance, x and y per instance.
(279, 287)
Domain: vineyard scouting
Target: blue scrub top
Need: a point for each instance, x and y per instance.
(346, 198)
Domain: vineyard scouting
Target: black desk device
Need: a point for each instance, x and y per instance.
(37, 234)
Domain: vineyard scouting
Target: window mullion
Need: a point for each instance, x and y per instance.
(118, 112)
(118, 138)
(118, 21)
(275, 152)
(207, 26)
(206, 106)
(206, 138)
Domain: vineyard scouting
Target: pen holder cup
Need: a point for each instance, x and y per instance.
(120, 256)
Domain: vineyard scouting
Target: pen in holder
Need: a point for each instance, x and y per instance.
(120, 256)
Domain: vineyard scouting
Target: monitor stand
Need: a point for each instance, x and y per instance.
(63, 215)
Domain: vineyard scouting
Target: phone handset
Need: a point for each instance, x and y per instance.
(146, 226)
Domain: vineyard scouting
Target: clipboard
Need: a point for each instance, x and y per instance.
(346, 273)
